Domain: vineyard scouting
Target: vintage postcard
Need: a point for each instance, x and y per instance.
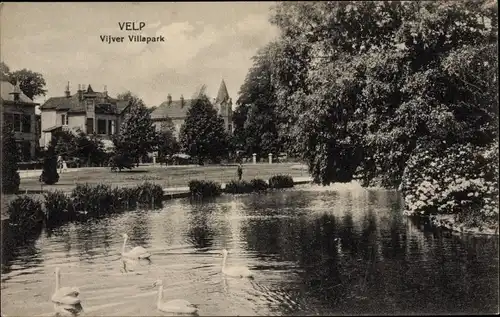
(249, 158)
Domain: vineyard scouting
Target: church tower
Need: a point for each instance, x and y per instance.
(224, 106)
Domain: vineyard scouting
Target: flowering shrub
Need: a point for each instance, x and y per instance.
(459, 179)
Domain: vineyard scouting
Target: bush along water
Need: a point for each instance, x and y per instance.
(281, 181)
(149, 194)
(86, 200)
(238, 187)
(58, 208)
(202, 189)
(92, 200)
(242, 187)
(456, 185)
(259, 184)
(25, 212)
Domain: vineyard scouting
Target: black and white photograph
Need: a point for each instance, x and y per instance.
(249, 158)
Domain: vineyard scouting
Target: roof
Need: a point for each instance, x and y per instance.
(222, 95)
(6, 89)
(103, 103)
(52, 128)
(173, 111)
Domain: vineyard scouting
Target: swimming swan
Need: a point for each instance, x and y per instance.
(68, 310)
(174, 306)
(65, 295)
(136, 253)
(235, 271)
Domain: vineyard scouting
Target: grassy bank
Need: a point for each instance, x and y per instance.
(171, 176)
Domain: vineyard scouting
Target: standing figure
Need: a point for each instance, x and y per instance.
(59, 163)
(240, 171)
(64, 166)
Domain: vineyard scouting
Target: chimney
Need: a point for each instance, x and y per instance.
(169, 100)
(67, 92)
(182, 101)
(80, 92)
(105, 91)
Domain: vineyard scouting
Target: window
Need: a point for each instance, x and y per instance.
(25, 150)
(8, 119)
(101, 126)
(90, 105)
(110, 127)
(64, 119)
(230, 128)
(27, 123)
(90, 125)
(17, 122)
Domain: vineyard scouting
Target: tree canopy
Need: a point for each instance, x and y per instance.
(254, 119)
(359, 85)
(137, 135)
(202, 134)
(30, 82)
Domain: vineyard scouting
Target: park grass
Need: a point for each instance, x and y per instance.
(171, 176)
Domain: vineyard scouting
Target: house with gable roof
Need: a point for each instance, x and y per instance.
(176, 110)
(86, 110)
(18, 110)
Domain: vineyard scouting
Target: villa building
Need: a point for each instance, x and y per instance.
(86, 110)
(18, 110)
(176, 110)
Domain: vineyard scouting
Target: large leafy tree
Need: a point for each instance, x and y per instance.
(360, 84)
(90, 148)
(64, 143)
(167, 142)
(137, 135)
(30, 82)
(10, 157)
(203, 135)
(255, 120)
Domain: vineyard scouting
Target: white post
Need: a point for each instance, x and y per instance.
(254, 158)
(154, 160)
(270, 158)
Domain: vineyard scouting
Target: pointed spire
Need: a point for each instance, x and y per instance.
(16, 91)
(90, 89)
(222, 95)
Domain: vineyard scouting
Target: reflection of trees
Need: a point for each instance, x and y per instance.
(18, 244)
(91, 235)
(200, 232)
(138, 228)
(208, 224)
(382, 261)
(282, 202)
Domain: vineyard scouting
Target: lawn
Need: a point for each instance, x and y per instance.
(171, 176)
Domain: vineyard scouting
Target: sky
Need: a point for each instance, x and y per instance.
(204, 43)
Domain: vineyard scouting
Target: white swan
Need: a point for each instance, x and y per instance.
(235, 271)
(136, 253)
(65, 295)
(173, 306)
(67, 310)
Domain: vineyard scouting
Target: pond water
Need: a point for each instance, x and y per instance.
(313, 250)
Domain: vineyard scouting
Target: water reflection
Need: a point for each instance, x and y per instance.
(19, 246)
(312, 252)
